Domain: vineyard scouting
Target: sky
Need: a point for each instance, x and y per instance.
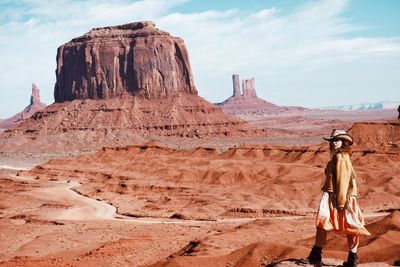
(301, 53)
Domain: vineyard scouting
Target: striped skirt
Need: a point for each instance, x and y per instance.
(350, 220)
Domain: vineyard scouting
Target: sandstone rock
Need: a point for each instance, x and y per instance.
(93, 124)
(34, 106)
(249, 89)
(245, 101)
(135, 59)
(376, 134)
(128, 84)
(248, 103)
(236, 85)
(35, 97)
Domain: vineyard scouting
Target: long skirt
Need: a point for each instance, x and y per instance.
(349, 221)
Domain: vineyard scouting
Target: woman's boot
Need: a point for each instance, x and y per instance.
(315, 256)
(352, 259)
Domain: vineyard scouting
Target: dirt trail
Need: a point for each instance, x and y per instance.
(81, 207)
(8, 167)
(84, 208)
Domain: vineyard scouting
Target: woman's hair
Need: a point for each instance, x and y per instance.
(345, 148)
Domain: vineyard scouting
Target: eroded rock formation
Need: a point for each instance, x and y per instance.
(92, 124)
(376, 134)
(35, 97)
(249, 89)
(34, 106)
(128, 84)
(245, 101)
(136, 59)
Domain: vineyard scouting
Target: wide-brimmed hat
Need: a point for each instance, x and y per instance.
(340, 134)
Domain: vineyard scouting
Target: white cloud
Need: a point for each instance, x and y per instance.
(288, 54)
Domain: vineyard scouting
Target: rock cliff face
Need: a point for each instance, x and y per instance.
(132, 59)
(247, 102)
(34, 106)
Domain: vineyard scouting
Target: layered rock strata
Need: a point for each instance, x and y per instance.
(132, 59)
(92, 124)
(34, 106)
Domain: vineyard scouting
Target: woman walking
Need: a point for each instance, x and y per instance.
(338, 210)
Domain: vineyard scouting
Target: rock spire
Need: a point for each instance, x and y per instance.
(248, 87)
(35, 97)
(245, 101)
(236, 85)
(34, 106)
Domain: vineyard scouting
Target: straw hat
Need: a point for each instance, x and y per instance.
(340, 134)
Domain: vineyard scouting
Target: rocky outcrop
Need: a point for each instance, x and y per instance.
(92, 124)
(247, 102)
(34, 106)
(376, 134)
(132, 59)
(249, 89)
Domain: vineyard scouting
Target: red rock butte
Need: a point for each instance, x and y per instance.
(246, 101)
(121, 85)
(135, 59)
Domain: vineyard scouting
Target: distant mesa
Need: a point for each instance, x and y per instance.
(246, 101)
(34, 106)
(366, 106)
(131, 59)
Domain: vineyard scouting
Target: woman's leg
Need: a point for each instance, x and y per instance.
(352, 258)
(320, 237)
(315, 256)
(353, 241)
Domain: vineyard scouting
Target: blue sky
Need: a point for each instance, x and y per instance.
(305, 53)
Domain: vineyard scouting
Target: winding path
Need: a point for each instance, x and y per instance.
(79, 207)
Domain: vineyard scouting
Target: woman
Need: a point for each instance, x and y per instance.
(338, 209)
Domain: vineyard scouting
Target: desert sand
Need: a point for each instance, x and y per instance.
(154, 205)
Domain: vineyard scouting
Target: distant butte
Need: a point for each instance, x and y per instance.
(34, 106)
(247, 102)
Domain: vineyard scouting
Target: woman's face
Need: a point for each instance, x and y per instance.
(336, 144)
